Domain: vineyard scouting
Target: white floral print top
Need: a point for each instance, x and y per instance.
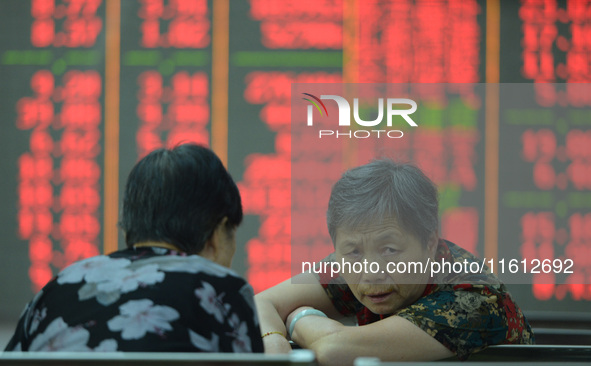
(143, 299)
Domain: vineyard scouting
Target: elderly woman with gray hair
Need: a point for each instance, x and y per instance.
(386, 213)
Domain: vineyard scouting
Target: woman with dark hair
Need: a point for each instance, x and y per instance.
(171, 290)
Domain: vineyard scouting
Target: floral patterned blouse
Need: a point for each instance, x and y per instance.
(143, 299)
(465, 318)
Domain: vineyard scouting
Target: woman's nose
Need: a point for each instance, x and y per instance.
(374, 272)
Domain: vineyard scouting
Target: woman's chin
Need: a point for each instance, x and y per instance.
(386, 304)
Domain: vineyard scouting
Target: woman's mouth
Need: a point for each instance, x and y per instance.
(379, 297)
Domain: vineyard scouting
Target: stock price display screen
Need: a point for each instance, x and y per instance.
(88, 87)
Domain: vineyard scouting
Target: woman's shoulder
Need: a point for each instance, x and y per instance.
(455, 265)
(171, 261)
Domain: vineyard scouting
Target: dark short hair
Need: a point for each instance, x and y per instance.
(384, 189)
(179, 196)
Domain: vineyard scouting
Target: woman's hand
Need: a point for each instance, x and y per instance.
(276, 304)
(276, 343)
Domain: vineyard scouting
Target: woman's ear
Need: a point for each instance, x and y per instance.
(432, 244)
(216, 247)
(219, 234)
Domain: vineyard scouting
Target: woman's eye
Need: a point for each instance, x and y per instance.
(390, 251)
(354, 252)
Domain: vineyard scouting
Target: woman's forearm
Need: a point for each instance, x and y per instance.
(271, 323)
(275, 304)
(310, 329)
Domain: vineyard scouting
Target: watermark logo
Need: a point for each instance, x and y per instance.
(344, 109)
(316, 105)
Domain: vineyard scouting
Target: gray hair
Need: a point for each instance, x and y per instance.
(384, 189)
